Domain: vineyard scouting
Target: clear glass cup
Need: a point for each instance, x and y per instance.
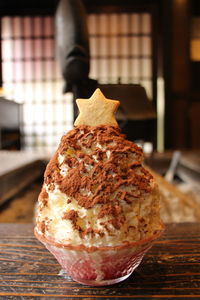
(100, 266)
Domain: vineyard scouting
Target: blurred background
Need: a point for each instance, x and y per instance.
(145, 53)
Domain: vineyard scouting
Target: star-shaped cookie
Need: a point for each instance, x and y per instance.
(97, 110)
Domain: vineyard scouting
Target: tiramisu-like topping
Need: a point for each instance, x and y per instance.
(99, 161)
(96, 192)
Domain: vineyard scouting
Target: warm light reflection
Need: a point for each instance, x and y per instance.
(160, 114)
(195, 39)
(195, 50)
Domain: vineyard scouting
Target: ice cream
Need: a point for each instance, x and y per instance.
(96, 198)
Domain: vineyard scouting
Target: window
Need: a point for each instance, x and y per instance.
(121, 48)
(31, 76)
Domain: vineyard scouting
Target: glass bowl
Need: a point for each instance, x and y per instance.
(100, 266)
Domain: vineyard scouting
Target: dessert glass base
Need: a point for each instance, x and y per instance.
(108, 274)
(100, 266)
(63, 274)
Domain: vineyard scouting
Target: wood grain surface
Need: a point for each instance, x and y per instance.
(170, 270)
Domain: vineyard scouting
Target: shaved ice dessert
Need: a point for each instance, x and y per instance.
(98, 210)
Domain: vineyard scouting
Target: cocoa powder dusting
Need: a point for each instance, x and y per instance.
(117, 222)
(72, 215)
(91, 231)
(109, 209)
(100, 161)
(52, 174)
(43, 225)
(43, 197)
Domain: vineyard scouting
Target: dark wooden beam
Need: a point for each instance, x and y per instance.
(177, 73)
(110, 6)
(31, 7)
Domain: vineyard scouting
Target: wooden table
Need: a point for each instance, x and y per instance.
(171, 269)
